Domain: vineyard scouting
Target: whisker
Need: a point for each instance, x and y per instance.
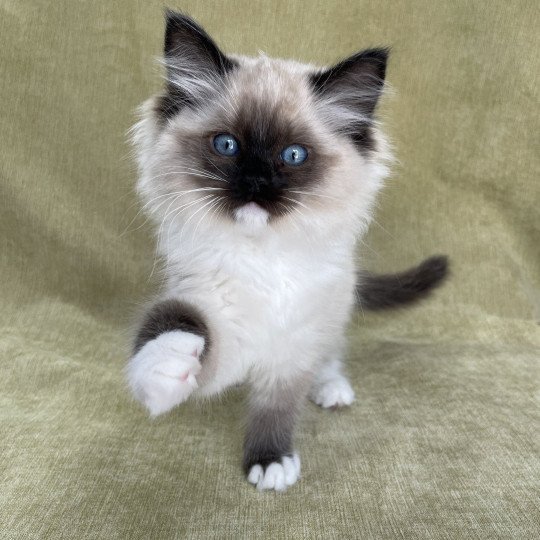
(296, 202)
(189, 172)
(386, 231)
(314, 193)
(177, 210)
(216, 201)
(193, 215)
(154, 199)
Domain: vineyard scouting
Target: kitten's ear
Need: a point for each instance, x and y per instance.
(187, 43)
(195, 64)
(351, 90)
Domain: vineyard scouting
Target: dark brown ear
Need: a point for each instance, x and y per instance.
(188, 43)
(195, 64)
(355, 84)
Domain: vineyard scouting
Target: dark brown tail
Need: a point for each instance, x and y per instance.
(395, 290)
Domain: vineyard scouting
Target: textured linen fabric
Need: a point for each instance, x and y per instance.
(443, 440)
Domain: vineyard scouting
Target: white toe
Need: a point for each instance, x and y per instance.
(255, 474)
(291, 465)
(274, 478)
(290, 471)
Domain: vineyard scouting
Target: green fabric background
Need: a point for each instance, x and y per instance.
(443, 441)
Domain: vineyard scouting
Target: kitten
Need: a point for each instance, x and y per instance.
(261, 175)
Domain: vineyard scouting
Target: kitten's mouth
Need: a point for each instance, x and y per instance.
(251, 214)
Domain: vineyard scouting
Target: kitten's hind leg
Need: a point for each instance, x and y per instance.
(331, 389)
(170, 344)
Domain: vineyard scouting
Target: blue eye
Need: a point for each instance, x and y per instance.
(294, 154)
(225, 144)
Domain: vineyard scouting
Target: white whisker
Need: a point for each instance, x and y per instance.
(296, 202)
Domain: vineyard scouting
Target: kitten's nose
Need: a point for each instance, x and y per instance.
(256, 183)
(253, 187)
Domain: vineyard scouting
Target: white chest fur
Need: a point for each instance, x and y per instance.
(271, 300)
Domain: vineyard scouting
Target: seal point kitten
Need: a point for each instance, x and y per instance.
(260, 175)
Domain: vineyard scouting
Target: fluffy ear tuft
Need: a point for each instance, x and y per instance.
(195, 64)
(350, 91)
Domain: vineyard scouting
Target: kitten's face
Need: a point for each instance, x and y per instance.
(256, 140)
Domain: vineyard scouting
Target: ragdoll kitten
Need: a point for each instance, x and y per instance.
(261, 175)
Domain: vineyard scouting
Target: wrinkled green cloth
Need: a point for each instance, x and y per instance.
(443, 440)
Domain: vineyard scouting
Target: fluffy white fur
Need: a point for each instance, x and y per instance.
(277, 295)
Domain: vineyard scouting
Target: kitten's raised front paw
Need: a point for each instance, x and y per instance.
(336, 392)
(277, 475)
(162, 373)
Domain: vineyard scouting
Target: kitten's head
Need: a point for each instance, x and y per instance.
(256, 142)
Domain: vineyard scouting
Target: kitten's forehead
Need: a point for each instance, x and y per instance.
(271, 79)
(269, 99)
(265, 86)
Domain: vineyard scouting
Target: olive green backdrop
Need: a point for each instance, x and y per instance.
(443, 441)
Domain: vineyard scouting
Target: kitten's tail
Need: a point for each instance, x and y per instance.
(377, 292)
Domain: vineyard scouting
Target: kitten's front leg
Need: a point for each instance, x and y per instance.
(269, 459)
(168, 350)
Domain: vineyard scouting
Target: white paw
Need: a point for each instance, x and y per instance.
(336, 392)
(277, 476)
(162, 373)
